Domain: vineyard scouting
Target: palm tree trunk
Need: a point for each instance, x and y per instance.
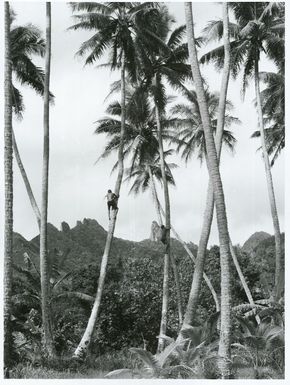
(192, 257)
(209, 208)
(25, 180)
(8, 175)
(243, 280)
(83, 346)
(165, 297)
(44, 269)
(213, 169)
(172, 259)
(279, 270)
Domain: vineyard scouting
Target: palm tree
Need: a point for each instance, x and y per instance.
(114, 24)
(44, 269)
(144, 174)
(25, 42)
(141, 143)
(213, 169)
(8, 175)
(273, 105)
(259, 28)
(190, 138)
(185, 125)
(165, 61)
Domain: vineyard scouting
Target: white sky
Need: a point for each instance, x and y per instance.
(77, 186)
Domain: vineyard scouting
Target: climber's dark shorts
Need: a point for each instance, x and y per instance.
(112, 204)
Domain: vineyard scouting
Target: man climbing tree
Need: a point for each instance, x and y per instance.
(164, 237)
(112, 202)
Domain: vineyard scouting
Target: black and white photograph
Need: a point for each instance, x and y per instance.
(143, 190)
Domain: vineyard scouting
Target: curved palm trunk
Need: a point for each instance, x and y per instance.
(25, 180)
(213, 169)
(209, 207)
(165, 297)
(8, 175)
(279, 270)
(44, 269)
(172, 258)
(83, 346)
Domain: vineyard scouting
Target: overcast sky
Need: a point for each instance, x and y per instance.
(77, 186)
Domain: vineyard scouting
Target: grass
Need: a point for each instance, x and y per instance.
(61, 368)
(28, 372)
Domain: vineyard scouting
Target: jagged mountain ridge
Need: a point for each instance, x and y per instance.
(86, 242)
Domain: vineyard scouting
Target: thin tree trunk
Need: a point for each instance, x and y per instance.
(279, 270)
(178, 289)
(44, 269)
(209, 208)
(213, 169)
(165, 296)
(243, 280)
(83, 346)
(172, 259)
(26, 180)
(192, 257)
(8, 175)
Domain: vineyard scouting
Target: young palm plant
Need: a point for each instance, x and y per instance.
(114, 26)
(257, 348)
(259, 29)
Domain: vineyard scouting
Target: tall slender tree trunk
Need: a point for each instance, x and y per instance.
(165, 296)
(8, 175)
(209, 207)
(25, 180)
(213, 169)
(83, 346)
(172, 258)
(44, 269)
(279, 270)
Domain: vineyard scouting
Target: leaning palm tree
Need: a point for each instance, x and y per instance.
(215, 178)
(141, 144)
(43, 251)
(115, 25)
(259, 29)
(8, 175)
(189, 136)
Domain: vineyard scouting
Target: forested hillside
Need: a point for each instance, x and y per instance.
(131, 307)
